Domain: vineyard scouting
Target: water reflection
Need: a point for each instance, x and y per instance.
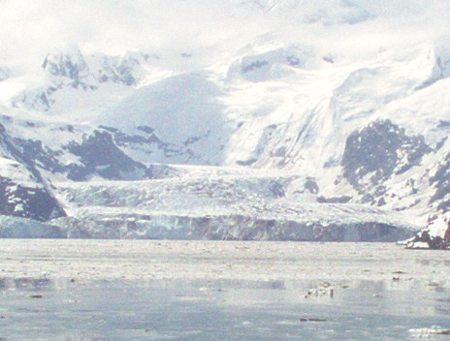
(219, 309)
(31, 284)
(433, 262)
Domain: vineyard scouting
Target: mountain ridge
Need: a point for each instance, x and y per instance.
(371, 133)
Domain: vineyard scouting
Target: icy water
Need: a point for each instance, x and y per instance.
(123, 290)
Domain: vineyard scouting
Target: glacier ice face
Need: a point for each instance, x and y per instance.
(13, 227)
(202, 203)
(228, 227)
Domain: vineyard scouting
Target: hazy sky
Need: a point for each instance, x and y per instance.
(31, 28)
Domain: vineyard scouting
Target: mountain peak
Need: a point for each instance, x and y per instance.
(67, 69)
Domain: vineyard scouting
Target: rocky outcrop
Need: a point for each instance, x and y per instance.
(99, 155)
(441, 181)
(23, 191)
(436, 236)
(429, 240)
(378, 152)
(28, 202)
(433, 242)
(122, 70)
(69, 69)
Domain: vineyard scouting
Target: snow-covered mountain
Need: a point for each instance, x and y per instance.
(274, 136)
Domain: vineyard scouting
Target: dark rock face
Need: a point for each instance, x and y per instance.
(384, 149)
(441, 181)
(433, 242)
(35, 202)
(254, 66)
(35, 153)
(311, 185)
(25, 202)
(377, 147)
(99, 155)
(248, 162)
(334, 200)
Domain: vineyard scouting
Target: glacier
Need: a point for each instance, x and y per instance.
(219, 204)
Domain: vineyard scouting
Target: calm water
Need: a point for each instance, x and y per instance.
(197, 290)
(221, 310)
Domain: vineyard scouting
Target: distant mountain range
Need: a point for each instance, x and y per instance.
(279, 141)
